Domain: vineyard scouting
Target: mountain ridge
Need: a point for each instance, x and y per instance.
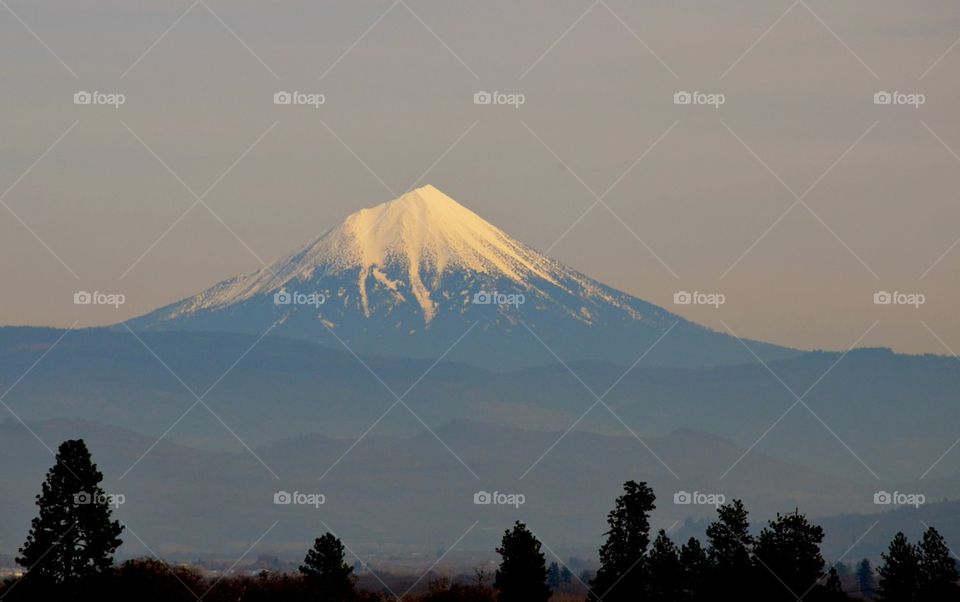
(411, 276)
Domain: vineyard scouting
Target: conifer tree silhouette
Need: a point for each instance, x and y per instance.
(900, 571)
(522, 576)
(72, 537)
(787, 553)
(938, 572)
(622, 574)
(695, 568)
(729, 551)
(325, 569)
(664, 571)
(866, 582)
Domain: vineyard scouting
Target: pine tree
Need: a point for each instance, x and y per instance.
(832, 590)
(664, 571)
(522, 576)
(73, 537)
(565, 575)
(730, 545)
(900, 571)
(325, 569)
(621, 576)
(788, 558)
(553, 575)
(938, 572)
(866, 583)
(695, 569)
(842, 569)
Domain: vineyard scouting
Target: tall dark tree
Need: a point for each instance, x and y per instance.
(664, 573)
(72, 537)
(788, 558)
(900, 571)
(695, 568)
(326, 571)
(730, 545)
(938, 572)
(622, 574)
(866, 582)
(831, 590)
(522, 576)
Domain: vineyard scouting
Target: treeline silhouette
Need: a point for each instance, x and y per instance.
(68, 555)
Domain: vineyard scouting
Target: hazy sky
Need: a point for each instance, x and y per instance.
(873, 188)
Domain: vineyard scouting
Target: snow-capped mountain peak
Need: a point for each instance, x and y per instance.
(409, 276)
(421, 235)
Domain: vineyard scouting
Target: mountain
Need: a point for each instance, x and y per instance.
(898, 413)
(410, 277)
(300, 406)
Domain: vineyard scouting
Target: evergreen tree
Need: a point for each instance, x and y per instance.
(325, 569)
(522, 576)
(664, 571)
(565, 575)
(73, 537)
(695, 568)
(621, 576)
(553, 575)
(730, 545)
(832, 590)
(938, 572)
(788, 557)
(900, 571)
(866, 583)
(843, 570)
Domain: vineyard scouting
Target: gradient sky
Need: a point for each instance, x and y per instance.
(599, 78)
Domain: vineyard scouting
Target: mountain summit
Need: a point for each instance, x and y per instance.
(410, 276)
(419, 237)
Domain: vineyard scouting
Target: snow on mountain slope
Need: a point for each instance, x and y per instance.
(409, 276)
